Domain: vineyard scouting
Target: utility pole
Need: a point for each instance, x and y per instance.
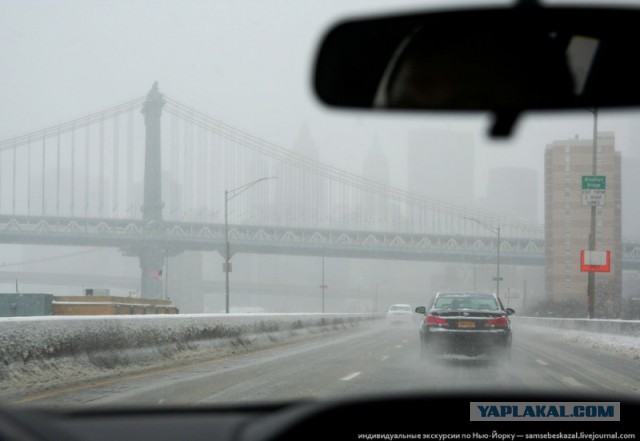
(226, 266)
(591, 281)
(494, 229)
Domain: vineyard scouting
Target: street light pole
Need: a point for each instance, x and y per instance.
(228, 195)
(498, 266)
(323, 286)
(493, 229)
(226, 253)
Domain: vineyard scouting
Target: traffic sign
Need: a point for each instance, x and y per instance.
(498, 279)
(593, 190)
(595, 261)
(593, 182)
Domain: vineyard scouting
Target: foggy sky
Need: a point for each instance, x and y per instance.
(247, 63)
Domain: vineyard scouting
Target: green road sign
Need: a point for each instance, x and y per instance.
(594, 182)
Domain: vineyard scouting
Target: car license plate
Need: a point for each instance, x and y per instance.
(466, 324)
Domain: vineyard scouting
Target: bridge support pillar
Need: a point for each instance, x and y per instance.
(152, 257)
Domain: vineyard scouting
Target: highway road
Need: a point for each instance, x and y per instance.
(380, 358)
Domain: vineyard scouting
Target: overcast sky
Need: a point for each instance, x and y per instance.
(246, 63)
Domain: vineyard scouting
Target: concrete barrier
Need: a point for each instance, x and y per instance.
(37, 353)
(618, 327)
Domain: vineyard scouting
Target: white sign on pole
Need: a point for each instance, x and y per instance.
(593, 197)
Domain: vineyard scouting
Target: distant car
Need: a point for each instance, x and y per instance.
(400, 313)
(465, 323)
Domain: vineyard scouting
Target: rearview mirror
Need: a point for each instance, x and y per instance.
(421, 310)
(502, 60)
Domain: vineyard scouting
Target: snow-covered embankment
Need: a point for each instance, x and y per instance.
(41, 352)
(605, 326)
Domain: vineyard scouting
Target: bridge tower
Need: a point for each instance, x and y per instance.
(152, 256)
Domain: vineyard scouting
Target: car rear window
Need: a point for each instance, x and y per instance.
(485, 303)
(400, 308)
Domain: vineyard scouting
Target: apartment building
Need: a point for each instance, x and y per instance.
(568, 222)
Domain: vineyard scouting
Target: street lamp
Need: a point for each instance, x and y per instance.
(493, 229)
(323, 286)
(228, 195)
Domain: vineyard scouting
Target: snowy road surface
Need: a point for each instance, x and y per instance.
(381, 358)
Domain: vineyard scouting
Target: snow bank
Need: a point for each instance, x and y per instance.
(616, 344)
(41, 352)
(607, 326)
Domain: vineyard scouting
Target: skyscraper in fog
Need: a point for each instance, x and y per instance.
(300, 192)
(376, 208)
(441, 165)
(441, 168)
(513, 192)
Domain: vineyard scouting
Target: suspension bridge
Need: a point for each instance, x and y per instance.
(156, 186)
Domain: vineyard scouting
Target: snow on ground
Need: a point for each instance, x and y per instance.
(38, 353)
(622, 345)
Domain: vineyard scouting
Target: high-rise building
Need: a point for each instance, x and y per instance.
(513, 192)
(376, 208)
(433, 155)
(631, 212)
(568, 222)
(300, 193)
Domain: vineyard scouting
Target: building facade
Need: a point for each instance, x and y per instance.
(568, 222)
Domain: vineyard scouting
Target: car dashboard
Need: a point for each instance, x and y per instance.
(405, 416)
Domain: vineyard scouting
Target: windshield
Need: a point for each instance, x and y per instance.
(184, 223)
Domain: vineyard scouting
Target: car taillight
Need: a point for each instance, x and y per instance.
(500, 322)
(433, 320)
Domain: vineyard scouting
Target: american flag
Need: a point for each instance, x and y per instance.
(157, 274)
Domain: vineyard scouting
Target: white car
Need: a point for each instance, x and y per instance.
(400, 313)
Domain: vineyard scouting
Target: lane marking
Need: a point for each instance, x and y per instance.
(398, 346)
(384, 357)
(150, 373)
(570, 381)
(542, 362)
(350, 376)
